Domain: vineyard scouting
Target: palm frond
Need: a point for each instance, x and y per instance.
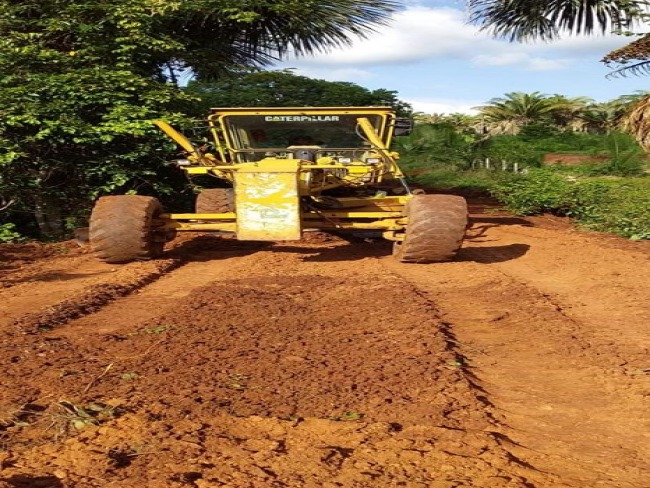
(520, 20)
(637, 69)
(631, 59)
(274, 29)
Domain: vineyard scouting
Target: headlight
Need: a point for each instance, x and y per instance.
(182, 162)
(345, 160)
(373, 160)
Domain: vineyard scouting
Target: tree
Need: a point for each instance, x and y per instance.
(508, 114)
(82, 78)
(600, 118)
(637, 123)
(283, 88)
(568, 111)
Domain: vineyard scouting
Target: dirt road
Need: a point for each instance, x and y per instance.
(325, 363)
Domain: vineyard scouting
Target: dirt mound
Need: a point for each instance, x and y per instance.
(315, 379)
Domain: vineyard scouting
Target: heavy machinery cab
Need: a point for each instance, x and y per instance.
(325, 133)
(335, 147)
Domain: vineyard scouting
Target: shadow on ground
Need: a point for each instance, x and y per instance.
(28, 481)
(492, 254)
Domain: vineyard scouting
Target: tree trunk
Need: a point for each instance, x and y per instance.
(49, 216)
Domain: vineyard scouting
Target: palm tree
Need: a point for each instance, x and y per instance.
(601, 118)
(547, 19)
(424, 118)
(508, 114)
(568, 111)
(624, 102)
(461, 122)
(212, 37)
(636, 121)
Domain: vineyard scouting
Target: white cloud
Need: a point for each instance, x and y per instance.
(594, 46)
(523, 59)
(420, 33)
(541, 64)
(444, 106)
(416, 33)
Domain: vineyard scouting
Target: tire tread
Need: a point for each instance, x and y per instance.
(435, 231)
(121, 228)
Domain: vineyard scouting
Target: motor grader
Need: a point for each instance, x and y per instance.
(282, 171)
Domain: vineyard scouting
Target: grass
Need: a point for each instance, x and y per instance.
(347, 417)
(71, 416)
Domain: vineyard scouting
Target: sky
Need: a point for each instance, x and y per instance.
(440, 63)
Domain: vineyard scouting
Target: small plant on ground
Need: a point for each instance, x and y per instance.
(152, 331)
(69, 417)
(347, 417)
(238, 381)
(129, 376)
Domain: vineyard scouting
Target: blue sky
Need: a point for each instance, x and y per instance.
(441, 64)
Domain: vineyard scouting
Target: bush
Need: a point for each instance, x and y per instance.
(8, 234)
(539, 191)
(617, 205)
(434, 145)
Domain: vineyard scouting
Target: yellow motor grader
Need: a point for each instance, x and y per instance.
(282, 171)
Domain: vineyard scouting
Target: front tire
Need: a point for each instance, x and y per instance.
(435, 230)
(121, 228)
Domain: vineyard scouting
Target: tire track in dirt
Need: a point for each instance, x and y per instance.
(557, 337)
(207, 260)
(92, 298)
(299, 365)
(34, 285)
(53, 292)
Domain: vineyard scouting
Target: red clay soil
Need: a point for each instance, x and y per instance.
(324, 363)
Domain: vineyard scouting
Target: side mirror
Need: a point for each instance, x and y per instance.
(403, 127)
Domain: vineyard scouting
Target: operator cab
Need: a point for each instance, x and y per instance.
(308, 134)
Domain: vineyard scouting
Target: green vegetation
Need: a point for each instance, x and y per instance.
(8, 233)
(620, 205)
(608, 192)
(282, 88)
(82, 79)
(617, 205)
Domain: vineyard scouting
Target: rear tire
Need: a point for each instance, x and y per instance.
(215, 200)
(435, 231)
(121, 228)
